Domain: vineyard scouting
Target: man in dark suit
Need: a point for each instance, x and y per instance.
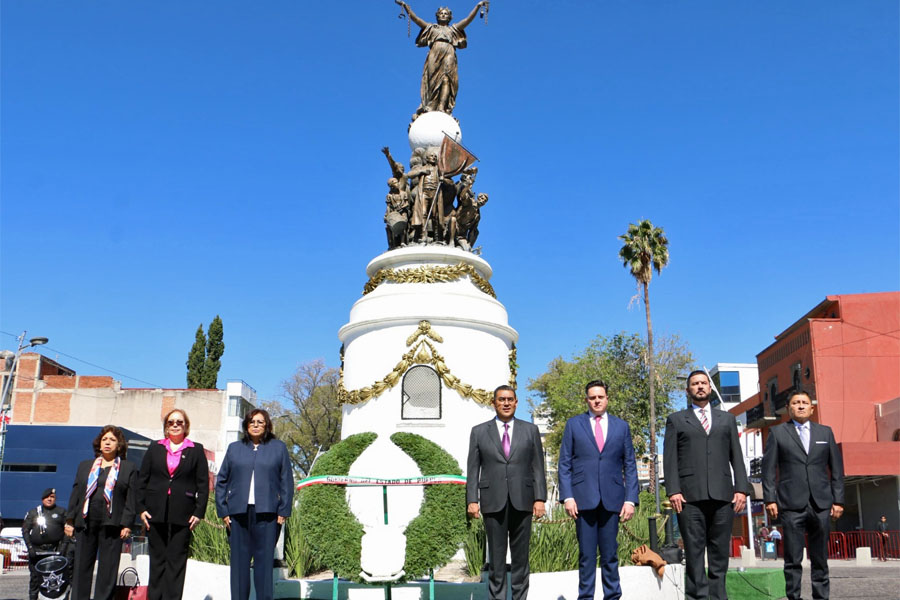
(701, 452)
(803, 483)
(505, 475)
(598, 480)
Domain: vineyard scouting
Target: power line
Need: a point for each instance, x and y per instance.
(96, 366)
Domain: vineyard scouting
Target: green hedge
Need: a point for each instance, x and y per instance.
(435, 535)
(329, 527)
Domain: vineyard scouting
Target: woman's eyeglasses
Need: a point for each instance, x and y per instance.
(260, 423)
(174, 422)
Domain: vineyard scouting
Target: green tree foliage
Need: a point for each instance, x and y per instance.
(215, 348)
(645, 248)
(196, 358)
(621, 361)
(310, 413)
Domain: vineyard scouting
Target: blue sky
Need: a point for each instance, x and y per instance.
(164, 162)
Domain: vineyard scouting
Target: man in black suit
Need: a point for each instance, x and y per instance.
(803, 483)
(505, 474)
(701, 452)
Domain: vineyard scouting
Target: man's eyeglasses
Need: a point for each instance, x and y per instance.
(174, 422)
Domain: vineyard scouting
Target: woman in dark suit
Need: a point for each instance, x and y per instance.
(101, 513)
(254, 495)
(173, 489)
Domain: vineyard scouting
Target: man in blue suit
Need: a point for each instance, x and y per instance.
(598, 480)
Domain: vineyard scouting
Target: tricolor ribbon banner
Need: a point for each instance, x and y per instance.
(368, 481)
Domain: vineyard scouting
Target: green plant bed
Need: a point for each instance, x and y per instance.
(209, 541)
(554, 545)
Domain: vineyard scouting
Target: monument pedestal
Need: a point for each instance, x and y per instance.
(425, 347)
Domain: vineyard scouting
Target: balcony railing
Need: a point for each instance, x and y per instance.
(756, 415)
(780, 400)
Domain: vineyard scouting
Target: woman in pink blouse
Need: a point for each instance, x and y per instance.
(173, 487)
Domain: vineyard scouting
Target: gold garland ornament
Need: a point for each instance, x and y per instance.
(432, 274)
(421, 352)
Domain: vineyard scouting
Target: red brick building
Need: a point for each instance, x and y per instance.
(846, 352)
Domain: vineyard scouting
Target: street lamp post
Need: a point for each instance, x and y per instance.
(6, 393)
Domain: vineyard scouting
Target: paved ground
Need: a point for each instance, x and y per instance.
(14, 585)
(881, 581)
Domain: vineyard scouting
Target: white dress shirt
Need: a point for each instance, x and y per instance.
(709, 413)
(500, 425)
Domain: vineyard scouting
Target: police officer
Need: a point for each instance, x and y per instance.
(42, 531)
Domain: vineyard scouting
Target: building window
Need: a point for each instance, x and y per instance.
(234, 406)
(729, 385)
(421, 395)
(29, 468)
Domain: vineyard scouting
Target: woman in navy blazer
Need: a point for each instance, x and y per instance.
(173, 488)
(254, 495)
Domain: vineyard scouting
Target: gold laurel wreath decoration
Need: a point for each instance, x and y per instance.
(433, 274)
(421, 351)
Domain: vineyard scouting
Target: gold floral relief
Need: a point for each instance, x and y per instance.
(422, 351)
(430, 274)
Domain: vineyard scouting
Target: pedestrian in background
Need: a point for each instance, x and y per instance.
(43, 531)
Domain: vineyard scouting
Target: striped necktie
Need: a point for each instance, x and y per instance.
(704, 421)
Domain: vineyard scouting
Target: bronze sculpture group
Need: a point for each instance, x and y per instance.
(424, 205)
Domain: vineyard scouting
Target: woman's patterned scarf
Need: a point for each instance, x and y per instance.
(93, 476)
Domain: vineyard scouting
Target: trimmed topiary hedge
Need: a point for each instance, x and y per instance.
(335, 535)
(435, 535)
(328, 525)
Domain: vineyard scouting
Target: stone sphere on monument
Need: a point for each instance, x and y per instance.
(428, 130)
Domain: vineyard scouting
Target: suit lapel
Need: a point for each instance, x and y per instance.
(816, 434)
(517, 437)
(611, 432)
(494, 435)
(691, 419)
(185, 454)
(587, 425)
(792, 433)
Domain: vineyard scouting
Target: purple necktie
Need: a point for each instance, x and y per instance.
(598, 435)
(506, 440)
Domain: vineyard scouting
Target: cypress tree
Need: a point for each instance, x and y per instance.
(215, 348)
(196, 359)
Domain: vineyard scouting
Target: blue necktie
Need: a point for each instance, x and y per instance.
(804, 436)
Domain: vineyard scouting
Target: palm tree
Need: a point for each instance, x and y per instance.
(646, 248)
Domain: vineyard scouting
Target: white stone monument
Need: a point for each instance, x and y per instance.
(425, 347)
